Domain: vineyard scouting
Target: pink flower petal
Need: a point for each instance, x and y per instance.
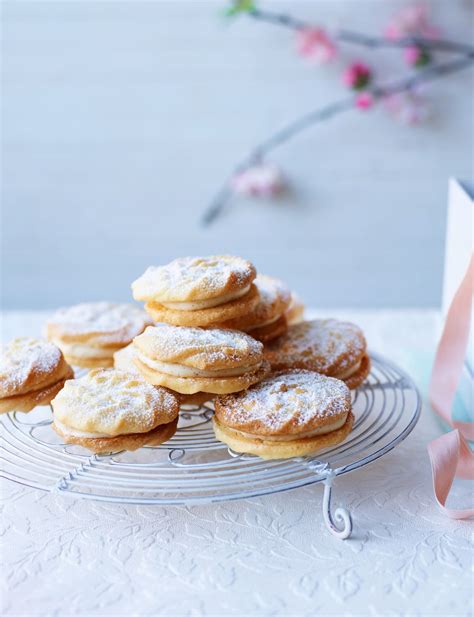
(364, 100)
(411, 21)
(315, 45)
(412, 55)
(356, 75)
(258, 181)
(408, 107)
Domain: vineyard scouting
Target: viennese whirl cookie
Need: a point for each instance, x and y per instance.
(327, 346)
(89, 334)
(109, 410)
(124, 359)
(267, 320)
(191, 360)
(198, 291)
(293, 413)
(32, 371)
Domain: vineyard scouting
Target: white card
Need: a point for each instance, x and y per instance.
(459, 247)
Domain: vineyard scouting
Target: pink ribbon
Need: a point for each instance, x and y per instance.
(450, 454)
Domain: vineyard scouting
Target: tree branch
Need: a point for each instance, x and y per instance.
(348, 36)
(222, 198)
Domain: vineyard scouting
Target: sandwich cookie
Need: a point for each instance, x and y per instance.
(198, 291)
(109, 410)
(293, 413)
(192, 360)
(89, 334)
(267, 320)
(124, 359)
(32, 372)
(327, 346)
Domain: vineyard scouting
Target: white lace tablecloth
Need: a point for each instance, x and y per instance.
(262, 556)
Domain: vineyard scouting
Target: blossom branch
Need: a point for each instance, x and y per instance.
(348, 36)
(430, 73)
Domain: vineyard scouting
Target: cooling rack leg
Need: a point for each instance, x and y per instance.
(341, 525)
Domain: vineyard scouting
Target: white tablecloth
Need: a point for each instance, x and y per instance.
(262, 556)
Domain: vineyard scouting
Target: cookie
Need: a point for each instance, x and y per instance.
(267, 320)
(270, 331)
(196, 399)
(327, 346)
(109, 410)
(295, 311)
(90, 334)
(192, 360)
(32, 371)
(198, 291)
(124, 360)
(292, 413)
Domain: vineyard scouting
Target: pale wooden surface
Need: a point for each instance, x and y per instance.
(122, 118)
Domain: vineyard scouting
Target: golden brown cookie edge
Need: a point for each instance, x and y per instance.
(288, 449)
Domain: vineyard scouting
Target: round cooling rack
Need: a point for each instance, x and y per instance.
(193, 467)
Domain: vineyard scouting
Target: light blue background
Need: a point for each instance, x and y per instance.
(121, 119)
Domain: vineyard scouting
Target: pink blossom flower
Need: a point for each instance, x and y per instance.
(412, 55)
(364, 100)
(357, 75)
(411, 21)
(315, 45)
(416, 56)
(408, 107)
(261, 180)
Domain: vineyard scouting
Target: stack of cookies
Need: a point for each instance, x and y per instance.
(211, 329)
(267, 320)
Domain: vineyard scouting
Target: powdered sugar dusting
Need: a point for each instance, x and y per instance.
(274, 299)
(110, 322)
(24, 357)
(286, 401)
(111, 401)
(193, 278)
(322, 345)
(199, 347)
(271, 289)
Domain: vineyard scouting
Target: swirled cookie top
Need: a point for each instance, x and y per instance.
(285, 403)
(204, 349)
(323, 345)
(26, 363)
(100, 322)
(114, 402)
(194, 278)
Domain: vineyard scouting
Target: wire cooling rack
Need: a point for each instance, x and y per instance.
(193, 467)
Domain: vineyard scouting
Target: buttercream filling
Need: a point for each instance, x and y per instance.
(348, 372)
(67, 430)
(322, 430)
(265, 323)
(178, 370)
(35, 392)
(83, 351)
(74, 432)
(203, 304)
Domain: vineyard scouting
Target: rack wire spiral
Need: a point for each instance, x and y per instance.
(193, 467)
